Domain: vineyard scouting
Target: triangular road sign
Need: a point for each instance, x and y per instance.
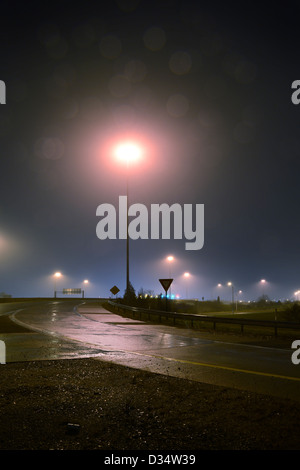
(166, 283)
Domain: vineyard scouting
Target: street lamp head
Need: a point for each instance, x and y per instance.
(186, 274)
(128, 152)
(229, 283)
(263, 281)
(170, 258)
(57, 274)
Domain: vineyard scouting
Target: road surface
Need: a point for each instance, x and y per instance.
(60, 329)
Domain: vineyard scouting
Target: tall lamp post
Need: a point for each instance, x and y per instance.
(219, 286)
(85, 282)
(263, 282)
(56, 276)
(232, 294)
(127, 152)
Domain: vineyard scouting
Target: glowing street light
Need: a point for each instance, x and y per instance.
(186, 275)
(263, 282)
(170, 259)
(219, 287)
(128, 152)
(84, 282)
(237, 295)
(232, 293)
(56, 276)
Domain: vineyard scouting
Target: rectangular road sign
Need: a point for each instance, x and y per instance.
(166, 283)
(71, 291)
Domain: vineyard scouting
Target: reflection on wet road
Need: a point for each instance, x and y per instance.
(73, 329)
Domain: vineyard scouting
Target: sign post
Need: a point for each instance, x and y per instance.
(166, 284)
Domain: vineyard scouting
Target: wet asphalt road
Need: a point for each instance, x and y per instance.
(72, 329)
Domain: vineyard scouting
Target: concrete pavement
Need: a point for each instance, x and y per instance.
(66, 329)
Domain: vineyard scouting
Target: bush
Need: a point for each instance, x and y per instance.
(292, 313)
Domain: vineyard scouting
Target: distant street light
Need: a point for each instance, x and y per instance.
(187, 275)
(232, 294)
(238, 293)
(85, 282)
(170, 259)
(56, 276)
(219, 286)
(263, 282)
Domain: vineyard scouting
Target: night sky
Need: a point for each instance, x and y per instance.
(204, 88)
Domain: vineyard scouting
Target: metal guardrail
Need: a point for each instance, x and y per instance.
(193, 318)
